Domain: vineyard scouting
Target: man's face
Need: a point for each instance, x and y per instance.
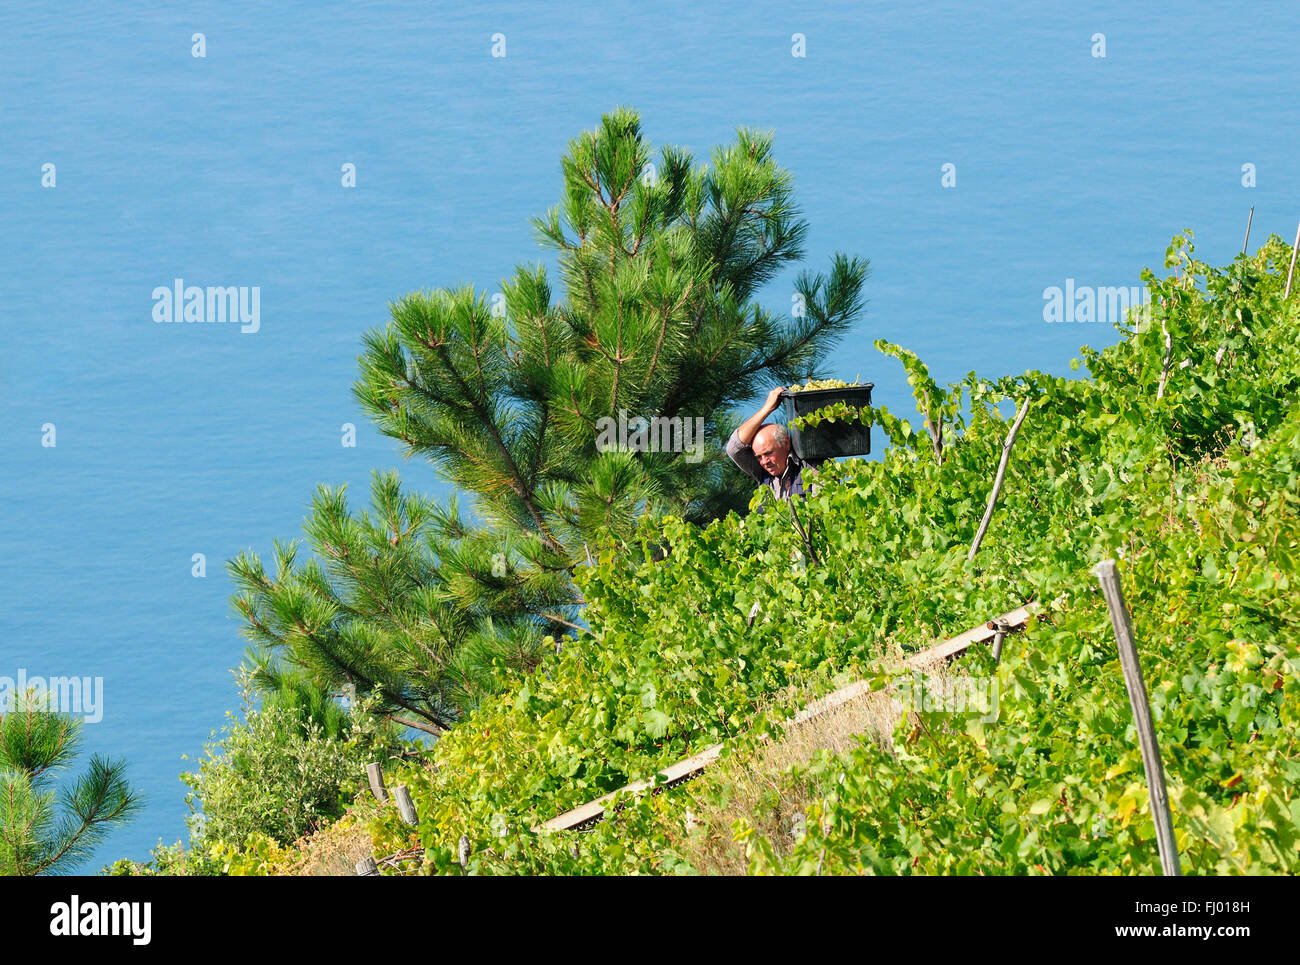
(771, 455)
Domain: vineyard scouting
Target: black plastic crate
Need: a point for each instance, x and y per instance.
(830, 439)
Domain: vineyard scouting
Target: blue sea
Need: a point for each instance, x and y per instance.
(1080, 138)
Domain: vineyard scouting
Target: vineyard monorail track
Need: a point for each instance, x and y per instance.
(594, 811)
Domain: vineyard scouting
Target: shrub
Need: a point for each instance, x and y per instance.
(278, 775)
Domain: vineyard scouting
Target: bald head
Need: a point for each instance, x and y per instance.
(772, 448)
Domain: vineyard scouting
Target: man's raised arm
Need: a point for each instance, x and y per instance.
(738, 446)
(749, 428)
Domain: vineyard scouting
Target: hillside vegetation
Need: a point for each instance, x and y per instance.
(1178, 455)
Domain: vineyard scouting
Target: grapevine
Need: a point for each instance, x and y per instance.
(835, 412)
(1197, 494)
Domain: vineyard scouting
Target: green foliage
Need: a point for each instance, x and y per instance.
(41, 830)
(939, 407)
(257, 856)
(277, 776)
(1204, 516)
(379, 612)
(166, 861)
(657, 317)
(1197, 493)
(1056, 784)
(835, 412)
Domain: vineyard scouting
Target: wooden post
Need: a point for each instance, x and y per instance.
(1290, 271)
(462, 852)
(376, 775)
(997, 482)
(753, 612)
(367, 866)
(1248, 221)
(405, 806)
(1108, 576)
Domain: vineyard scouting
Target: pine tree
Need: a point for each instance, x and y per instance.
(659, 265)
(34, 838)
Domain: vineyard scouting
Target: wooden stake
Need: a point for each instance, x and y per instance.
(405, 806)
(1290, 271)
(1108, 576)
(367, 866)
(1248, 221)
(997, 481)
(376, 775)
(462, 852)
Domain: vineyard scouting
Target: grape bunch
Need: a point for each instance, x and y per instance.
(812, 384)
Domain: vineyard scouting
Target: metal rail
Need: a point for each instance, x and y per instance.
(592, 812)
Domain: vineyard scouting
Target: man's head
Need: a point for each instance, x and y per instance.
(772, 449)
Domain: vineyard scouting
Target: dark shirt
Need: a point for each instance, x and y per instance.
(789, 484)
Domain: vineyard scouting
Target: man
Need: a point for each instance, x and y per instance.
(763, 451)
